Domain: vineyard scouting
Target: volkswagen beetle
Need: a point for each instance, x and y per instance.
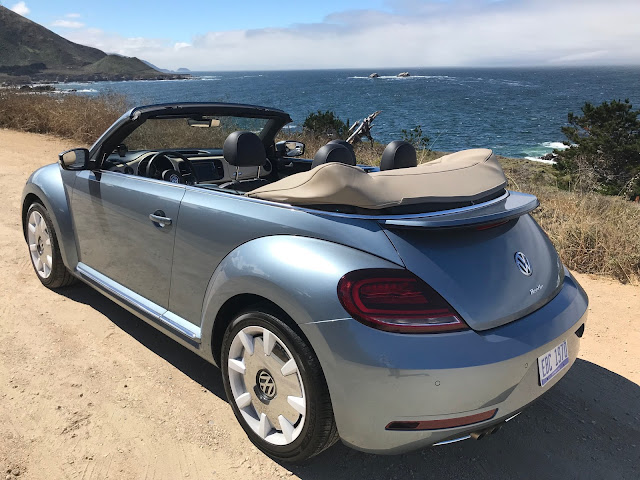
(392, 308)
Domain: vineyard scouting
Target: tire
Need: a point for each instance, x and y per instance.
(43, 249)
(260, 385)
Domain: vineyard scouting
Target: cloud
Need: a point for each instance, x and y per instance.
(21, 9)
(67, 24)
(410, 33)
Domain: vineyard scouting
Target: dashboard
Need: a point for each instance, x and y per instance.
(209, 165)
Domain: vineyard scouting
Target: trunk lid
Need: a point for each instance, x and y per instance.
(475, 267)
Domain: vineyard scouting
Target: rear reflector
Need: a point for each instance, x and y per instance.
(396, 300)
(443, 423)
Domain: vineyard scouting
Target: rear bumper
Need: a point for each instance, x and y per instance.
(376, 377)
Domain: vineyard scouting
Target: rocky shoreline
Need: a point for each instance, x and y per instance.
(52, 79)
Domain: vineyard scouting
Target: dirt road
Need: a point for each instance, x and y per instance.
(88, 391)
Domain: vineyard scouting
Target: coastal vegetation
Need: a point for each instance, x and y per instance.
(321, 124)
(604, 149)
(593, 233)
(77, 117)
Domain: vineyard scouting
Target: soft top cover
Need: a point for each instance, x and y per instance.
(459, 177)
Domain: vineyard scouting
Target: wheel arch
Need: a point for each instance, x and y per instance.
(28, 200)
(295, 276)
(47, 188)
(242, 302)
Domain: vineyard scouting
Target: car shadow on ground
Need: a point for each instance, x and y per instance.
(180, 357)
(587, 426)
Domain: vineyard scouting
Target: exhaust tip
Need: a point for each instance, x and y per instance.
(480, 434)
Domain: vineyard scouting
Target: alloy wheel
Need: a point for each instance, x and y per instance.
(266, 385)
(39, 241)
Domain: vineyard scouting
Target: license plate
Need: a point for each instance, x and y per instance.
(552, 362)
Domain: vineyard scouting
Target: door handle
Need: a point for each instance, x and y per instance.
(159, 219)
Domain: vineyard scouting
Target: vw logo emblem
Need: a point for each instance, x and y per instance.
(266, 384)
(523, 263)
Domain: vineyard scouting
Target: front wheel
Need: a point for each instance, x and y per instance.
(43, 249)
(276, 388)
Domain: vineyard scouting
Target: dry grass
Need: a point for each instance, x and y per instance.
(78, 117)
(593, 233)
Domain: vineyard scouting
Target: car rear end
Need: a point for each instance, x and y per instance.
(483, 320)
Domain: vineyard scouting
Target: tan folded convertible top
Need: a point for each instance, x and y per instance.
(459, 177)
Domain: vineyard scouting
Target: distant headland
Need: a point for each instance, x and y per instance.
(30, 53)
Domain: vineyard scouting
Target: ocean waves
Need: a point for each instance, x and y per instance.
(542, 151)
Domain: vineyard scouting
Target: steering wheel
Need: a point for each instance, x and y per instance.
(172, 175)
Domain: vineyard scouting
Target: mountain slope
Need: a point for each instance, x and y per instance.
(30, 52)
(23, 42)
(117, 65)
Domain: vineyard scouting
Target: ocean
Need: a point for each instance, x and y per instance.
(517, 112)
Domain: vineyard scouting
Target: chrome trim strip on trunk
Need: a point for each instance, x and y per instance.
(154, 314)
(408, 216)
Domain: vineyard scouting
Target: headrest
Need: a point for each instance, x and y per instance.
(333, 152)
(244, 149)
(346, 144)
(398, 154)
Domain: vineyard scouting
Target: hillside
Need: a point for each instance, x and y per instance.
(30, 52)
(117, 65)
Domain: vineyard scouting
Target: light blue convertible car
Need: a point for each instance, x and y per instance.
(394, 307)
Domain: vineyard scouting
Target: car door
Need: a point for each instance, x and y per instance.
(125, 230)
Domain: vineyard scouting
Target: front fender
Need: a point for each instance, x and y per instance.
(299, 274)
(47, 184)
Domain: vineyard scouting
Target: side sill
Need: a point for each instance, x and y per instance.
(150, 312)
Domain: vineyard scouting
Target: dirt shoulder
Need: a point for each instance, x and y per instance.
(89, 391)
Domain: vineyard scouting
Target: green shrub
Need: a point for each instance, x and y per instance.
(326, 123)
(604, 150)
(416, 138)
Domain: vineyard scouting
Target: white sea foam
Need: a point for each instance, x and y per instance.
(536, 153)
(395, 77)
(536, 159)
(555, 145)
(79, 90)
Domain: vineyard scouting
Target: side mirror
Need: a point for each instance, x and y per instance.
(290, 148)
(76, 159)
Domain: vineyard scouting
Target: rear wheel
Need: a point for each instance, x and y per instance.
(43, 249)
(276, 388)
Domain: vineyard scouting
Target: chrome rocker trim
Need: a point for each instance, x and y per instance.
(150, 312)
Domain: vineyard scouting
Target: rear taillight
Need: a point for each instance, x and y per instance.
(396, 301)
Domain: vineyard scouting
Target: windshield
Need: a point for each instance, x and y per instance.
(202, 132)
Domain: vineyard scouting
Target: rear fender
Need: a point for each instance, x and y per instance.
(47, 185)
(298, 274)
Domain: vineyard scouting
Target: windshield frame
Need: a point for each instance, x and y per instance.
(135, 117)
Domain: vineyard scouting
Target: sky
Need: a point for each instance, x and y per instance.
(216, 35)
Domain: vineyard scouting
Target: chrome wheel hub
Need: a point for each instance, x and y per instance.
(266, 385)
(39, 244)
